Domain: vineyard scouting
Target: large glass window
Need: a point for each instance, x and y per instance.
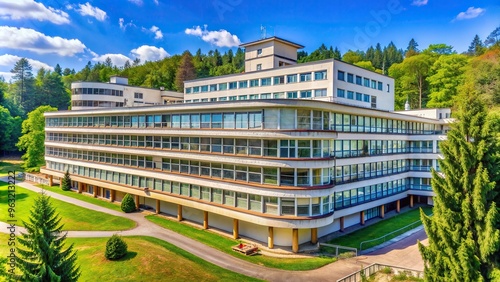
(291, 78)
(305, 77)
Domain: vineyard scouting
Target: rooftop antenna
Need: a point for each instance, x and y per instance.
(262, 32)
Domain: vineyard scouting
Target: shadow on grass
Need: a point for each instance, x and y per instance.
(130, 255)
(19, 196)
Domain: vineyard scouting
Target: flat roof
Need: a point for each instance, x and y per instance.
(274, 38)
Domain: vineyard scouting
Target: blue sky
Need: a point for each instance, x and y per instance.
(72, 33)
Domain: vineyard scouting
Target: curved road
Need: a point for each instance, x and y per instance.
(403, 253)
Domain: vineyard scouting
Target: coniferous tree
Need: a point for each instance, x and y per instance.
(66, 182)
(186, 71)
(464, 238)
(24, 84)
(476, 47)
(42, 257)
(128, 204)
(116, 248)
(412, 48)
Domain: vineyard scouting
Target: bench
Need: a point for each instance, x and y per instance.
(246, 249)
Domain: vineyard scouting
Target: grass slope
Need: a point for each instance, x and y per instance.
(73, 217)
(224, 244)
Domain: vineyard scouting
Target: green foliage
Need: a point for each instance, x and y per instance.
(116, 248)
(185, 71)
(366, 65)
(483, 73)
(352, 56)
(322, 53)
(476, 47)
(24, 85)
(10, 129)
(464, 236)
(128, 204)
(33, 139)
(42, 257)
(66, 182)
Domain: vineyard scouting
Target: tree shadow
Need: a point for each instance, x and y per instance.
(130, 255)
(19, 196)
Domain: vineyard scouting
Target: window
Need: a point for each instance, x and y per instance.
(350, 95)
(265, 81)
(196, 89)
(138, 95)
(320, 93)
(232, 85)
(222, 86)
(292, 95)
(243, 84)
(366, 98)
(242, 97)
(279, 80)
(379, 86)
(213, 87)
(350, 77)
(374, 84)
(254, 83)
(265, 96)
(253, 96)
(388, 87)
(341, 93)
(374, 102)
(366, 82)
(204, 88)
(320, 75)
(259, 52)
(341, 75)
(359, 96)
(188, 90)
(305, 77)
(232, 98)
(259, 67)
(358, 80)
(305, 94)
(292, 78)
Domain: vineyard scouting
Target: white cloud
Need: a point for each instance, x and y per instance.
(149, 53)
(123, 25)
(29, 9)
(419, 2)
(117, 59)
(89, 10)
(221, 38)
(470, 14)
(137, 2)
(11, 60)
(157, 32)
(34, 41)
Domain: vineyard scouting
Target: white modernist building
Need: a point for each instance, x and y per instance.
(283, 153)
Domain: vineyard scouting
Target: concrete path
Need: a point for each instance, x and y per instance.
(330, 272)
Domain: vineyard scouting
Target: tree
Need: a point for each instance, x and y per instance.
(66, 182)
(412, 48)
(42, 257)
(476, 47)
(484, 72)
(50, 90)
(33, 139)
(128, 204)
(464, 238)
(446, 75)
(440, 49)
(493, 38)
(366, 65)
(116, 248)
(352, 57)
(186, 71)
(24, 84)
(57, 69)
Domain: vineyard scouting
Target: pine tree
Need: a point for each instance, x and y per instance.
(464, 240)
(116, 248)
(412, 48)
(476, 47)
(66, 182)
(42, 257)
(186, 71)
(24, 83)
(128, 204)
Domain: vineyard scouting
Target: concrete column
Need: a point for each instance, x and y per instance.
(295, 240)
(236, 231)
(342, 224)
(80, 187)
(270, 237)
(398, 206)
(179, 212)
(205, 220)
(362, 217)
(158, 206)
(136, 202)
(51, 180)
(60, 183)
(411, 201)
(382, 211)
(314, 235)
(95, 191)
(112, 196)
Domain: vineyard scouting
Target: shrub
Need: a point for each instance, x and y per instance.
(116, 248)
(128, 203)
(66, 182)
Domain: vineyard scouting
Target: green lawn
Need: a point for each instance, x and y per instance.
(6, 166)
(73, 217)
(380, 229)
(149, 259)
(86, 198)
(224, 244)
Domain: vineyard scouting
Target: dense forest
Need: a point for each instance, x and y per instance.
(427, 78)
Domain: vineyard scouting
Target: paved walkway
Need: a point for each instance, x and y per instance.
(330, 272)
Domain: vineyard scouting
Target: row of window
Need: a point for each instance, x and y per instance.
(302, 94)
(253, 147)
(90, 103)
(97, 91)
(248, 174)
(285, 118)
(363, 171)
(359, 80)
(286, 206)
(351, 95)
(357, 196)
(266, 81)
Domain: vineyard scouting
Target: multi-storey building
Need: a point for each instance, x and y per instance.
(283, 153)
